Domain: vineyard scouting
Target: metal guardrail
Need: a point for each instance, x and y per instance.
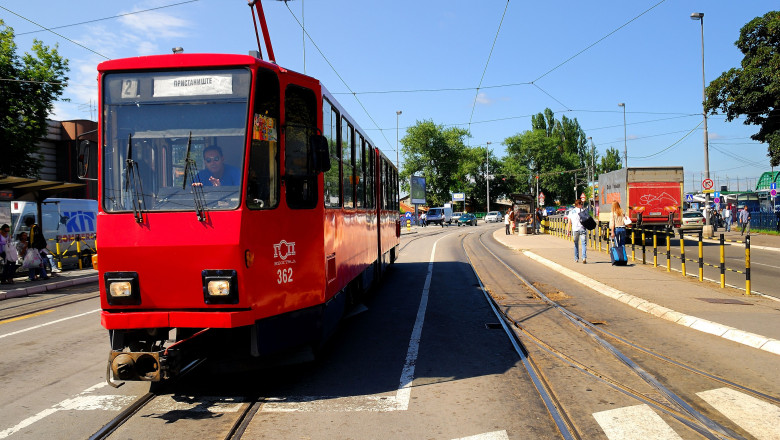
(557, 226)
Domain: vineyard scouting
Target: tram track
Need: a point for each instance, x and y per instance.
(45, 304)
(671, 404)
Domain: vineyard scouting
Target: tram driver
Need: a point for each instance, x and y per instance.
(216, 171)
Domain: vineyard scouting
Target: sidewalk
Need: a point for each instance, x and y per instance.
(704, 306)
(23, 287)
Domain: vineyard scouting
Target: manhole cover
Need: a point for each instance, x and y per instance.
(725, 301)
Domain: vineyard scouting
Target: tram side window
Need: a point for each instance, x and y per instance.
(300, 109)
(347, 145)
(331, 190)
(369, 164)
(360, 176)
(263, 181)
(383, 183)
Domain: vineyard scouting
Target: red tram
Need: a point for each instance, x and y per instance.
(242, 210)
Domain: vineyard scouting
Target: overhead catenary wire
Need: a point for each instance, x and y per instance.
(338, 75)
(670, 146)
(106, 18)
(487, 63)
(55, 33)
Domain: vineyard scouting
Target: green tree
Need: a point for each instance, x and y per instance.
(549, 149)
(436, 153)
(754, 89)
(29, 86)
(611, 161)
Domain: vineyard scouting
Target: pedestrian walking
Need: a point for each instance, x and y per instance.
(8, 254)
(727, 218)
(506, 220)
(744, 220)
(578, 233)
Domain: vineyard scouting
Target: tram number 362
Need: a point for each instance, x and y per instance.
(284, 276)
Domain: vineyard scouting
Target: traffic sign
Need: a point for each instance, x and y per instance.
(717, 195)
(541, 195)
(689, 197)
(773, 185)
(707, 184)
(773, 192)
(716, 200)
(582, 197)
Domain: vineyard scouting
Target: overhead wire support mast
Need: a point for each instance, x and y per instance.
(258, 8)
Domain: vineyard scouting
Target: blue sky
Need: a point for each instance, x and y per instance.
(644, 53)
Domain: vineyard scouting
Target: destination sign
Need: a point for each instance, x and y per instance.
(192, 85)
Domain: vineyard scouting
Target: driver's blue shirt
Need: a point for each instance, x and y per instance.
(230, 176)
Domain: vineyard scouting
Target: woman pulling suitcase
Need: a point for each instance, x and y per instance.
(617, 229)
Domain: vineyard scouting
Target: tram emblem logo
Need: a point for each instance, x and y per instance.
(283, 249)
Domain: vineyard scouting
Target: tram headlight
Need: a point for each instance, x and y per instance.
(220, 286)
(122, 288)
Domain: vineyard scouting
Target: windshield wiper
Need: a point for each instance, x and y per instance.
(199, 198)
(133, 183)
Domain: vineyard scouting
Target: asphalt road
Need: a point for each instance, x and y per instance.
(425, 359)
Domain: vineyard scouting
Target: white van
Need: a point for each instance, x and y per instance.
(439, 216)
(64, 221)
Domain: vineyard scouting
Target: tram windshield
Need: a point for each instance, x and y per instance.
(156, 123)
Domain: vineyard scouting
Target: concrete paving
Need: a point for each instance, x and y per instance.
(752, 320)
(23, 287)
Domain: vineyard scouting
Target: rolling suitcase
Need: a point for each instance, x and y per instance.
(617, 254)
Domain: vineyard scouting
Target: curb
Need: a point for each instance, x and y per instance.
(25, 291)
(739, 336)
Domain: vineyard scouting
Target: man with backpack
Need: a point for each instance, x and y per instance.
(578, 232)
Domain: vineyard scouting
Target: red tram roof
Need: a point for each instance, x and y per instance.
(173, 61)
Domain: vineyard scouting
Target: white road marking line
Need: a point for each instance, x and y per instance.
(638, 422)
(49, 411)
(48, 323)
(496, 435)
(746, 338)
(761, 419)
(376, 402)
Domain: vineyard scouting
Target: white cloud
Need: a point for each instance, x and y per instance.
(482, 98)
(155, 25)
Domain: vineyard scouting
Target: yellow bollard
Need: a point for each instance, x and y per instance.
(747, 264)
(668, 253)
(655, 249)
(722, 262)
(59, 256)
(78, 249)
(633, 246)
(701, 258)
(682, 254)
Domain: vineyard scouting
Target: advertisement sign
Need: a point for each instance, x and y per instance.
(459, 197)
(417, 193)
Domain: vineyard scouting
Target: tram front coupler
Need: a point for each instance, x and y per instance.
(144, 366)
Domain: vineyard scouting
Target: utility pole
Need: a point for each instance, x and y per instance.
(487, 174)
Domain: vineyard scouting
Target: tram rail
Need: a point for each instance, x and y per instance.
(676, 406)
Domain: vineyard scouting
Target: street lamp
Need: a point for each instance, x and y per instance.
(593, 171)
(625, 141)
(487, 174)
(397, 114)
(700, 16)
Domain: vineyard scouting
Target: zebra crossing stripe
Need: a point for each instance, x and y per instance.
(761, 419)
(638, 422)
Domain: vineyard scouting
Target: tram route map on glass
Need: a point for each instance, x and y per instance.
(417, 185)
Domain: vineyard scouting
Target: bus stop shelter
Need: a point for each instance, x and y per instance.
(32, 190)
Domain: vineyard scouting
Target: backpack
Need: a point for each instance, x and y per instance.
(586, 220)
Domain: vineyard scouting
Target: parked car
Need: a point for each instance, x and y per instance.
(493, 217)
(692, 220)
(439, 216)
(456, 216)
(467, 218)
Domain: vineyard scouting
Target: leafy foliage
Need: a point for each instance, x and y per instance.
(611, 161)
(29, 86)
(754, 89)
(550, 149)
(437, 154)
